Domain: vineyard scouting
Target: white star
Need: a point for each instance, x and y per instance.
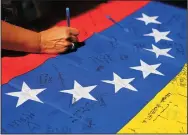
(120, 83)
(148, 19)
(80, 92)
(26, 94)
(159, 51)
(147, 69)
(159, 35)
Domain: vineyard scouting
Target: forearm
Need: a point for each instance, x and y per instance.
(19, 39)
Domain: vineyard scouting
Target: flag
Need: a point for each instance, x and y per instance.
(104, 85)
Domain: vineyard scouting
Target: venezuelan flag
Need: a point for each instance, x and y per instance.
(129, 77)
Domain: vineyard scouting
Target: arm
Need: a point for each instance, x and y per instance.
(54, 40)
(19, 39)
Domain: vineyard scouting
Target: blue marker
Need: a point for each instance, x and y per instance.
(68, 17)
(68, 23)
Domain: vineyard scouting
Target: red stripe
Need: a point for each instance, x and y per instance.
(14, 66)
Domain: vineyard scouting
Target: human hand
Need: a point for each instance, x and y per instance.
(57, 39)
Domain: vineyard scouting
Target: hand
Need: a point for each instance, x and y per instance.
(57, 39)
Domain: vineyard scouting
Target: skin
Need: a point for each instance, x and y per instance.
(53, 41)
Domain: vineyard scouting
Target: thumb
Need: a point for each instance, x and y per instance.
(74, 31)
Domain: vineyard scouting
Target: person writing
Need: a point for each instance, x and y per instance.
(53, 41)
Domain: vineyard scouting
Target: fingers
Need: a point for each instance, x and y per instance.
(58, 39)
(67, 44)
(63, 44)
(74, 31)
(60, 47)
(72, 39)
(71, 35)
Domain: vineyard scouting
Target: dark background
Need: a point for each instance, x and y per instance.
(51, 12)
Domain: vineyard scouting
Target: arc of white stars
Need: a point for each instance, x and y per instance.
(147, 69)
(159, 35)
(120, 83)
(158, 51)
(26, 94)
(80, 92)
(148, 19)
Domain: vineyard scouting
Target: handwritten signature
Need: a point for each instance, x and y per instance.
(156, 108)
(26, 119)
(102, 58)
(45, 79)
(65, 130)
(178, 46)
(79, 113)
(114, 42)
(99, 68)
(138, 47)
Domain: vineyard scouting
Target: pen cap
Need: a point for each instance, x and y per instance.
(67, 11)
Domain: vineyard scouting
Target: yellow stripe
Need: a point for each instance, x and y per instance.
(166, 112)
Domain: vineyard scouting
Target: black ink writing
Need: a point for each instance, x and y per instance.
(33, 126)
(134, 130)
(182, 95)
(60, 76)
(99, 68)
(153, 111)
(180, 49)
(165, 97)
(156, 108)
(159, 115)
(103, 58)
(101, 100)
(114, 42)
(166, 43)
(64, 130)
(74, 120)
(84, 32)
(89, 124)
(178, 46)
(135, 31)
(24, 119)
(123, 57)
(180, 35)
(92, 20)
(138, 47)
(79, 113)
(181, 122)
(182, 130)
(183, 82)
(53, 112)
(45, 79)
(173, 19)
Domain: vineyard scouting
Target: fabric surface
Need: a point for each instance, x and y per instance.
(86, 30)
(128, 61)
